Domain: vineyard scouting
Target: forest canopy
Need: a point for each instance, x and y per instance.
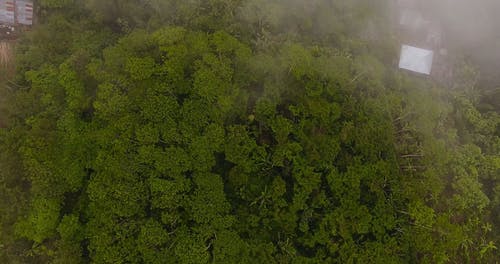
(240, 131)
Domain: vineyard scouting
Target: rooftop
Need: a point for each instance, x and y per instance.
(16, 12)
(416, 59)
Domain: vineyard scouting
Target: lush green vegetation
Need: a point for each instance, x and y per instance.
(231, 131)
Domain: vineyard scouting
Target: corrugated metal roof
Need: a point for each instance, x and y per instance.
(24, 10)
(16, 11)
(7, 9)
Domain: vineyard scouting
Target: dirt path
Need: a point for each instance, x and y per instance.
(5, 54)
(7, 70)
(6, 59)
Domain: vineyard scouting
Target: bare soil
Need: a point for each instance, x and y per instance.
(6, 54)
(7, 71)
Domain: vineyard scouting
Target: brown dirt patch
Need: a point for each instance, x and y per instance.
(7, 70)
(6, 54)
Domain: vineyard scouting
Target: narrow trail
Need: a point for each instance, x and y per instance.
(7, 71)
(6, 55)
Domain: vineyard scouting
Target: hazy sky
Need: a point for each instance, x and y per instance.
(471, 21)
(472, 26)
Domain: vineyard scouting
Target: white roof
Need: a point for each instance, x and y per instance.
(416, 59)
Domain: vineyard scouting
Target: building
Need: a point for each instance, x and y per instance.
(24, 12)
(14, 14)
(7, 12)
(421, 36)
(416, 59)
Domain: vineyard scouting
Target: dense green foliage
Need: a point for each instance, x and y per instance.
(231, 131)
